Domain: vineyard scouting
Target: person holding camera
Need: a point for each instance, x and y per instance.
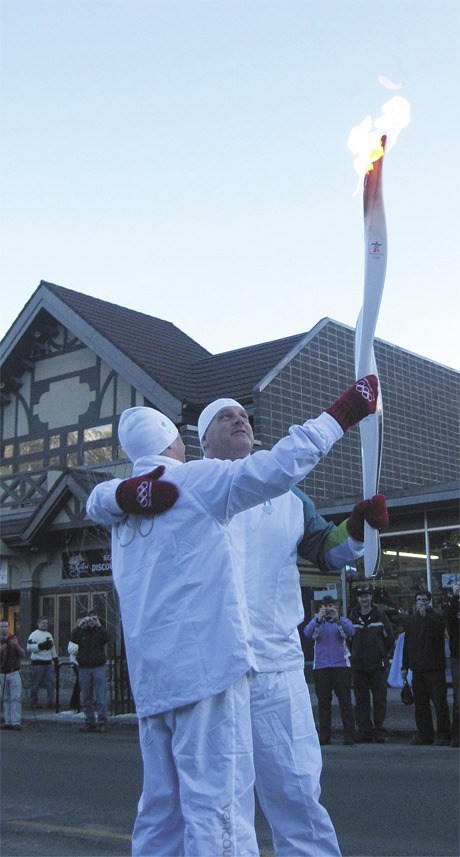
(91, 639)
(331, 668)
(424, 653)
(11, 652)
(43, 655)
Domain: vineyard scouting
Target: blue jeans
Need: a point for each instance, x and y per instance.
(42, 675)
(93, 683)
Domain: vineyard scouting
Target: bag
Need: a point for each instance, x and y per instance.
(407, 697)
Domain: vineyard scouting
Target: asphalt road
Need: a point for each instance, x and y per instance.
(66, 794)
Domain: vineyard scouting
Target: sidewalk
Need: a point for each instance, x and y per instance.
(399, 721)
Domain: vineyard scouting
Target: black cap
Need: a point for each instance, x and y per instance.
(328, 599)
(365, 589)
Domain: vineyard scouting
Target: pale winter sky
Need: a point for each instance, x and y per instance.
(189, 160)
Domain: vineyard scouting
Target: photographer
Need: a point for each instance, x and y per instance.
(43, 655)
(11, 652)
(424, 653)
(331, 668)
(91, 639)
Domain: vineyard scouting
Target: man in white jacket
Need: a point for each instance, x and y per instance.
(180, 581)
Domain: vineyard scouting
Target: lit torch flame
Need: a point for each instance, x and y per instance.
(365, 140)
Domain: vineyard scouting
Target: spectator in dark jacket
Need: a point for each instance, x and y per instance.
(371, 647)
(424, 653)
(91, 639)
(452, 616)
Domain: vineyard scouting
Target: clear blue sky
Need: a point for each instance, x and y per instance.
(189, 160)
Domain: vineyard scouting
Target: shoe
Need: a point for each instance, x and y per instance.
(442, 742)
(349, 742)
(380, 739)
(6, 726)
(418, 741)
(364, 737)
(88, 727)
(454, 742)
(102, 727)
(17, 727)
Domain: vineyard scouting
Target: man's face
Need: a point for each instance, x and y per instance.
(456, 588)
(364, 600)
(4, 630)
(43, 624)
(229, 435)
(330, 610)
(422, 602)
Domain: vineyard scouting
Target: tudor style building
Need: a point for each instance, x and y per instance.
(71, 364)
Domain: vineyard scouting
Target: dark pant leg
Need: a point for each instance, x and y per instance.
(378, 682)
(323, 688)
(342, 690)
(361, 690)
(437, 688)
(423, 716)
(455, 667)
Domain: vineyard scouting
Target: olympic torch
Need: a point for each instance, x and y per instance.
(369, 146)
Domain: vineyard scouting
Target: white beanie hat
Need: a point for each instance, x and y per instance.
(210, 411)
(144, 431)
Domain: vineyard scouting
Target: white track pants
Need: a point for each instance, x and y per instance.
(198, 793)
(287, 760)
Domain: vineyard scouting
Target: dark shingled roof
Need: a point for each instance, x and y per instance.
(173, 359)
(156, 346)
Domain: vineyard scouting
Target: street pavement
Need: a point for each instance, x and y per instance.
(67, 794)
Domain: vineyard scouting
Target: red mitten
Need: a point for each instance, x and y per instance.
(146, 495)
(357, 402)
(373, 511)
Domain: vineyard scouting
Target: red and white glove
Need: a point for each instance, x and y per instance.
(357, 402)
(374, 511)
(146, 495)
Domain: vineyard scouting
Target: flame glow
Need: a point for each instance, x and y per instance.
(364, 139)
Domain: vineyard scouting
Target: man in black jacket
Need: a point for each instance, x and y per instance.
(424, 653)
(452, 616)
(371, 647)
(91, 639)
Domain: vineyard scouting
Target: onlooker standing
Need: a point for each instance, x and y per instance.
(371, 647)
(424, 653)
(452, 616)
(11, 652)
(331, 668)
(91, 639)
(40, 646)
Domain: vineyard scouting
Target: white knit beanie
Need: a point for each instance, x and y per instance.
(144, 431)
(210, 411)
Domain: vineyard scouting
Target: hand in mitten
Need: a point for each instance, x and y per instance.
(146, 495)
(374, 511)
(357, 402)
(46, 645)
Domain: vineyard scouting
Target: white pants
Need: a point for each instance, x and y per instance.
(287, 761)
(198, 792)
(10, 690)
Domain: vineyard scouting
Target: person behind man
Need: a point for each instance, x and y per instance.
(331, 668)
(43, 656)
(180, 582)
(11, 652)
(371, 647)
(424, 653)
(452, 617)
(91, 639)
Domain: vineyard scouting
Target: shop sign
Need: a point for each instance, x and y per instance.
(89, 563)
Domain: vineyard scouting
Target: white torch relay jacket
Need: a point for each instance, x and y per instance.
(178, 575)
(267, 538)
